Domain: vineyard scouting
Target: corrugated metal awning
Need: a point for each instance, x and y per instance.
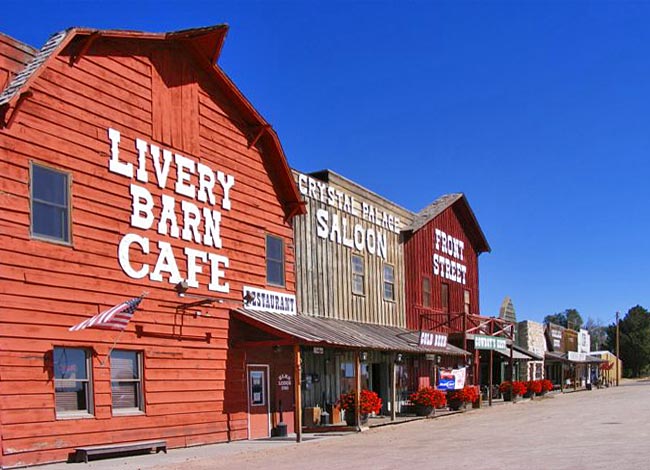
(516, 355)
(329, 332)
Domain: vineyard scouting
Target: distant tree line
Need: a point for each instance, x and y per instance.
(634, 343)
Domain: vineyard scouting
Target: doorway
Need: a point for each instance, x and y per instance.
(259, 418)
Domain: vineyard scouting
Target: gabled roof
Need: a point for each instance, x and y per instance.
(443, 203)
(205, 45)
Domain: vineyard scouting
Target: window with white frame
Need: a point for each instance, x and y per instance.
(358, 275)
(72, 381)
(126, 381)
(50, 203)
(389, 282)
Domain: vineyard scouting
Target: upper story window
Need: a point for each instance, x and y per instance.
(50, 203)
(274, 260)
(389, 282)
(126, 381)
(466, 302)
(426, 291)
(72, 382)
(358, 275)
(444, 296)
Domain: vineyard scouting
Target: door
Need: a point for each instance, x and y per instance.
(259, 419)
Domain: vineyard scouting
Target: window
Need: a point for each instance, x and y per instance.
(72, 384)
(466, 302)
(426, 291)
(274, 260)
(358, 274)
(389, 282)
(444, 296)
(126, 381)
(50, 202)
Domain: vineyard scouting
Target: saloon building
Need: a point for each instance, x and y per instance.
(133, 167)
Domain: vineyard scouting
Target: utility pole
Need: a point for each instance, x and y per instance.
(617, 345)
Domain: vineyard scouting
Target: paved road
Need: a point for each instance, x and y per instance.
(600, 429)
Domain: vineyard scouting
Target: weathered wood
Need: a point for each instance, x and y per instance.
(325, 266)
(82, 453)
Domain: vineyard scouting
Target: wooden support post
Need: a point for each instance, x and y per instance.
(393, 391)
(491, 373)
(357, 394)
(562, 377)
(297, 415)
(512, 365)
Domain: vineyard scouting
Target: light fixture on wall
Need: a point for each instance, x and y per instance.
(363, 356)
(398, 358)
(182, 287)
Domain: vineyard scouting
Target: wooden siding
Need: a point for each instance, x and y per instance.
(47, 287)
(14, 55)
(419, 248)
(324, 267)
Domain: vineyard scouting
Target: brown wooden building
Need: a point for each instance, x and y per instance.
(131, 162)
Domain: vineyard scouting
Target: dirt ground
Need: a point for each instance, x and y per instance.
(598, 429)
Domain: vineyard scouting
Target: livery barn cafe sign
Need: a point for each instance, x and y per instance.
(355, 224)
(192, 215)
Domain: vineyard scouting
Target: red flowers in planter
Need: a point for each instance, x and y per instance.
(547, 385)
(369, 402)
(429, 396)
(534, 386)
(515, 387)
(469, 394)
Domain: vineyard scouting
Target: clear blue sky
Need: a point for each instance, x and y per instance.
(538, 111)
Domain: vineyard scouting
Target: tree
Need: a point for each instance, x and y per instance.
(570, 318)
(597, 334)
(634, 341)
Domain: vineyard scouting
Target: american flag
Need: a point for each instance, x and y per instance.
(115, 318)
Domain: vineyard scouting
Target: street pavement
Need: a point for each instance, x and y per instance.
(598, 429)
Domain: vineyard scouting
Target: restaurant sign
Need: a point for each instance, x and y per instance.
(489, 342)
(269, 301)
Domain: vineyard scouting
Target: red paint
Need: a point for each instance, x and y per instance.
(194, 391)
(419, 249)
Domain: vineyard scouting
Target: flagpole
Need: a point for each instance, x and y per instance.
(101, 363)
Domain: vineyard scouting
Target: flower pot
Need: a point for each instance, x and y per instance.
(456, 405)
(424, 410)
(351, 419)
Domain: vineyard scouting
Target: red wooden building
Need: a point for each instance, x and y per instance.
(131, 162)
(441, 250)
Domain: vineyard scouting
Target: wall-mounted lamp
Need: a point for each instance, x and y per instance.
(363, 356)
(182, 287)
(398, 358)
(276, 349)
(438, 359)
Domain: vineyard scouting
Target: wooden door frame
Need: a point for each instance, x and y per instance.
(268, 397)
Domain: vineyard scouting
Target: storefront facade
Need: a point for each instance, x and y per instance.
(131, 164)
(442, 246)
(530, 336)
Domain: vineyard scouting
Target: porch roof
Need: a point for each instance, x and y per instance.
(305, 329)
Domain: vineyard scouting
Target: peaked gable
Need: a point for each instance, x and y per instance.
(204, 45)
(459, 202)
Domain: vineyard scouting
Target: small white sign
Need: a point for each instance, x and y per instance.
(270, 301)
(429, 338)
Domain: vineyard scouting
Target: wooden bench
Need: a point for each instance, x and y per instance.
(82, 453)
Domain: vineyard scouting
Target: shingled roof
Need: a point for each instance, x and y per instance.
(443, 203)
